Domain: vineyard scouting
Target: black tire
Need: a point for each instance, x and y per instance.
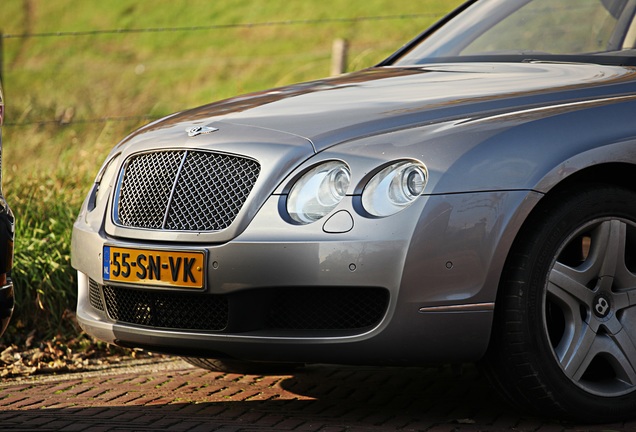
(564, 337)
(242, 367)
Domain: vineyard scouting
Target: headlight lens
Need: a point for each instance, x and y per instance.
(318, 192)
(105, 177)
(394, 188)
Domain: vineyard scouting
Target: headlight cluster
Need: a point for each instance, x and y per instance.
(320, 190)
(394, 188)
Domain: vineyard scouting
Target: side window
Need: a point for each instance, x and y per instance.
(575, 27)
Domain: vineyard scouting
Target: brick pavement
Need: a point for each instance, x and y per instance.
(169, 394)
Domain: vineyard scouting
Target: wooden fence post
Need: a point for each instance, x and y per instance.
(339, 57)
(1, 57)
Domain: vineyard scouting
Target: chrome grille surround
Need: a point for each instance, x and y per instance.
(183, 190)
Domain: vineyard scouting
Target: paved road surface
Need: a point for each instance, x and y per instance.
(169, 394)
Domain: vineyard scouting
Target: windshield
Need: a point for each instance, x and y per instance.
(600, 31)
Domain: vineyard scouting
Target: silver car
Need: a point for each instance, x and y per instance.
(471, 198)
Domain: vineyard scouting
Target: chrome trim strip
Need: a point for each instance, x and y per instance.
(475, 307)
(174, 187)
(613, 99)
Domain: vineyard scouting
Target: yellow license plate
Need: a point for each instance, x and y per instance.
(154, 267)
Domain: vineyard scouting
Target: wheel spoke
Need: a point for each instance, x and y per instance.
(623, 279)
(568, 285)
(612, 246)
(625, 299)
(578, 351)
(608, 248)
(622, 352)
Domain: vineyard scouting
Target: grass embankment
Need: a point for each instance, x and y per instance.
(60, 88)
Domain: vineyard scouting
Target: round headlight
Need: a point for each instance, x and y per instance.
(318, 192)
(394, 188)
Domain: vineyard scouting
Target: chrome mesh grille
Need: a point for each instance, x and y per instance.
(184, 190)
(145, 189)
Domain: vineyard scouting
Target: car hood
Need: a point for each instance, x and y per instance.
(377, 100)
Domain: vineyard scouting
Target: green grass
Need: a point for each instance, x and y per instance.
(48, 166)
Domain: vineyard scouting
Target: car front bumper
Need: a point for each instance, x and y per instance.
(416, 287)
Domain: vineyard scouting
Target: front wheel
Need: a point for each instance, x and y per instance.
(564, 338)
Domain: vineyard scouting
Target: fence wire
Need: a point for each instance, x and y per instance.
(124, 31)
(82, 121)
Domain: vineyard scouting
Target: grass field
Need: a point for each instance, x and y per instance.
(72, 91)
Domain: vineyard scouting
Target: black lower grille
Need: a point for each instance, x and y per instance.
(328, 308)
(95, 295)
(315, 308)
(166, 309)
